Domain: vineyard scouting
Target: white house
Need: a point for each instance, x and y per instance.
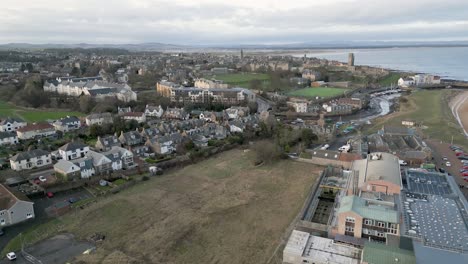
(73, 150)
(154, 111)
(68, 123)
(120, 157)
(7, 138)
(299, 107)
(15, 207)
(67, 168)
(140, 117)
(99, 119)
(35, 130)
(30, 159)
(11, 124)
(406, 82)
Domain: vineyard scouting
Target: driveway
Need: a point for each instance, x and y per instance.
(40, 204)
(55, 250)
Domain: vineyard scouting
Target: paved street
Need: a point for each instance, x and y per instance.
(56, 250)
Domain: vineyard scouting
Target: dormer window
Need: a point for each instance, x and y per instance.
(82, 164)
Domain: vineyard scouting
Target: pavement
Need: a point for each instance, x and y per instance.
(40, 204)
(56, 250)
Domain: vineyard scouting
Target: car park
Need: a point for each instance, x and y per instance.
(11, 256)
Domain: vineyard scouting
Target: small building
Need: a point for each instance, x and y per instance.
(15, 207)
(30, 159)
(99, 119)
(67, 169)
(67, 124)
(406, 82)
(35, 131)
(11, 124)
(154, 111)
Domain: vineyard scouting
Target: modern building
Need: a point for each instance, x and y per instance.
(30, 159)
(303, 247)
(15, 207)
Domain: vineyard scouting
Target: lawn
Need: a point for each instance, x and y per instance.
(318, 91)
(243, 79)
(430, 108)
(33, 115)
(221, 210)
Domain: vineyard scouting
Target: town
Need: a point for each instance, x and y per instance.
(81, 127)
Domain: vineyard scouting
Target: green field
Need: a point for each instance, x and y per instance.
(318, 91)
(430, 109)
(33, 115)
(243, 79)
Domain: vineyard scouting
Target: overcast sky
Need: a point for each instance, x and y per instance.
(231, 22)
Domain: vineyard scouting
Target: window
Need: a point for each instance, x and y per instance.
(39, 162)
(116, 155)
(350, 219)
(2, 221)
(380, 224)
(368, 222)
(349, 228)
(82, 164)
(379, 234)
(29, 215)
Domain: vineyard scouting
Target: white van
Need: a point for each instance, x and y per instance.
(345, 148)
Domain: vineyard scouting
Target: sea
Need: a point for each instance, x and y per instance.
(447, 62)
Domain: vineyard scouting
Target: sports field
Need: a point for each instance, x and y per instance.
(221, 210)
(33, 115)
(242, 79)
(318, 91)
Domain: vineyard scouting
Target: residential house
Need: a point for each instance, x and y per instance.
(176, 113)
(86, 166)
(67, 169)
(161, 145)
(200, 140)
(73, 150)
(35, 131)
(11, 124)
(236, 126)
(142, 151)
(101, 163)
(106, 143)
(298, 106)
(150, 132)
(8, 138)
(154, 111)
(140, 117)
(30, 159)
(121, 158)
(406, 82)
(131, 138)
(15, 207)
(67, 124)
(123, 110)
(99, 119)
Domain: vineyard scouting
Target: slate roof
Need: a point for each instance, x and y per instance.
(4, 135)
(88, 163)
(11, 120)
(73, 146)
(9, 197)
(29, 154)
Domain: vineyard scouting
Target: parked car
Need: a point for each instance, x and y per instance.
(459, 153)
(448, 164)
(462, 157)
(445, 158)
(453, 147)
(42, 178)
(50, 194)
(441, 170)
(402, 162)
(2, 232)
(465, 174)
(11, 256)
(73, 200)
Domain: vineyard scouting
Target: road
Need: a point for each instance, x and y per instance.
(457, 106)
(40, 204)
(55, 250)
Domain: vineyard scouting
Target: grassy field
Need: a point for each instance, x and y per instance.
(430, 108)
(32, 115)
(318, 91)
(221, 210)
(243, 79)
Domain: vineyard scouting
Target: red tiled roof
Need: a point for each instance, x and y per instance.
(34, 127)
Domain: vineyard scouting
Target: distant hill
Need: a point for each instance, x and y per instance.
(163, 47)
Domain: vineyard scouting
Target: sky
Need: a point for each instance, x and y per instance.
(204, 22)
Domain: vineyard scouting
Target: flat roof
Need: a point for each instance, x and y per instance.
(427, 183)
(379, 253)
(363, 208)
(438, 220)
(378, 166)
(322, 250)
